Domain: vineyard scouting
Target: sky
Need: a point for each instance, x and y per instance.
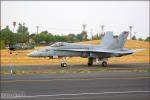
(64, 17)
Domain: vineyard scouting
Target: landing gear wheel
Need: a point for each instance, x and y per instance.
(63, 65)
(90, 64)
(104, 64)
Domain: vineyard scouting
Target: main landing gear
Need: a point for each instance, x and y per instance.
(104, 64)
(103, 61)
(90, 61)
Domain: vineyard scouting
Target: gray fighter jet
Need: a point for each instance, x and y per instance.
(111, 46)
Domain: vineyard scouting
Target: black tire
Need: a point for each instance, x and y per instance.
(90, 64)
(63, 65)
(104, 64)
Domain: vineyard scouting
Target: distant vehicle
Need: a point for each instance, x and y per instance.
(111, 46)
(20, 46)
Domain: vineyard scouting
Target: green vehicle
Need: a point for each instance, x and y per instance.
(21, 46)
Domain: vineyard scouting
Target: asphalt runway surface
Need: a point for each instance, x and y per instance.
(77, 86)
(77, 66)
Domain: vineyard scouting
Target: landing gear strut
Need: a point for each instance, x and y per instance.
(63, 62)
(104, 64)
(103, 61)
(90, 61)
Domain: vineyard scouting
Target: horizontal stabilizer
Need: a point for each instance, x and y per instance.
(138, 50)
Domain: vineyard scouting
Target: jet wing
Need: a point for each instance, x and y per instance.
(79, 50)
(123, 51)
(120, 51)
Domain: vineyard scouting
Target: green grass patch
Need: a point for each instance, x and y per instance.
(59, 71)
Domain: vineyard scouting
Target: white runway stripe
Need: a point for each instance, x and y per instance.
(77, 94)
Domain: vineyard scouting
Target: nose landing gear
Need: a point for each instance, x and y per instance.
(63, 62)
(90, 61)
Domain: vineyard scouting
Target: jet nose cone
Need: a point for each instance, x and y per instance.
(29, 54)
(32, 54)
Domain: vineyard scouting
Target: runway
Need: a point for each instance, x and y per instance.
(79, 86)
(77, 66)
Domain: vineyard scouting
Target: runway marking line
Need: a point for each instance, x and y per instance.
(77, 94)
(67, 79)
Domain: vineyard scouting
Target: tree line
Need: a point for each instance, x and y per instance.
(9, 37)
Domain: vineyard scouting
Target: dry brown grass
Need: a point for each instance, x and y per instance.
(22, 59)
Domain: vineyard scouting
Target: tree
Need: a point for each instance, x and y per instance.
(84, 35)
(72, 38)
(79, 37)
(2, 44)
(147, 39)
(140, 39)
(43, 36)
(32, 35)
(134, 38)
(8, 36)
(22, 34)
(72, 35)
(97, 36)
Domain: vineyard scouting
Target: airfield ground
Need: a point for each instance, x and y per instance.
(125, 78)
(22, 59)
(77, 68)
(81, 86)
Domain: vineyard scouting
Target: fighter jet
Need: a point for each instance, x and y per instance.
(111, 46)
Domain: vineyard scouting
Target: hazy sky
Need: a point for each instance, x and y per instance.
(67, 17)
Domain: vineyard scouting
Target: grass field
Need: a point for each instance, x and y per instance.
(22, 59)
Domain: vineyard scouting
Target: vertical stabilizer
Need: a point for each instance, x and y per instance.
(112, 42)
(122, 39)
(106, 39)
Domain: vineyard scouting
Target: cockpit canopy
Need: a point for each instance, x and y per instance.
(45, 49)
(59, 44)
(56, 44)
